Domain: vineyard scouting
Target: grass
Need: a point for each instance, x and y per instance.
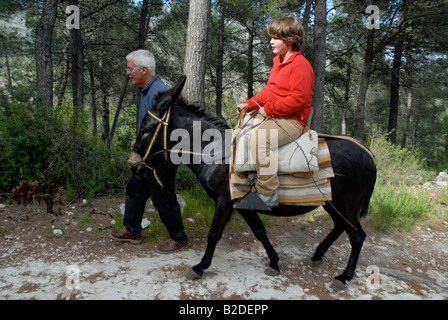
(399, 207)
(197, 217)
(199, 212)
(395, 203)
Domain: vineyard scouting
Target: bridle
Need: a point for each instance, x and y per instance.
(162, 122)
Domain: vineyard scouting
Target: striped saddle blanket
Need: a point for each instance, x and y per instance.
(300, 188)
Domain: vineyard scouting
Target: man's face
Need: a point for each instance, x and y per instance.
(136, 74)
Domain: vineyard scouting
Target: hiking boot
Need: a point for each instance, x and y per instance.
(170, 246)
(271, 200)
(124, 235)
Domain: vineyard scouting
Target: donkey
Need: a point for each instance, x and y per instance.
(352, 186)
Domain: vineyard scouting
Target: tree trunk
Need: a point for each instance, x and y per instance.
(195, 63)
(64, 81)
(8, 68)
(395, 80)
(142, 25)
(346, 99)
(105, 136)
(220, 67)
(141, 40)
(250, 61)
(319, 57)
(93, 101)
(77, 52)
(119, 107)
(44, 62)
(364, 85)
(307, 53)
(408, 119)
(395, 91)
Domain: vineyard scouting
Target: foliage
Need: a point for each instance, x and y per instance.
(395, 202)
(37, 146)
(398, 165)
(398, 207)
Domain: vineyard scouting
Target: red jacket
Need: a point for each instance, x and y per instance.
(289, 90)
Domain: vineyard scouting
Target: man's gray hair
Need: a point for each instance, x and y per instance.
(143, 58)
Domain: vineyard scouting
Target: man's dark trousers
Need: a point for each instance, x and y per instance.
(164, 200)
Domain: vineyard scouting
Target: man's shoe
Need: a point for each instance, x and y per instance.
(170, 246)
(124, 235)
(271, 200)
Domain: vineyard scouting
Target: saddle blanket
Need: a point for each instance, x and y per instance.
(300, 188)
(296, 156)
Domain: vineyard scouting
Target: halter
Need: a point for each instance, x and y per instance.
(162, 122)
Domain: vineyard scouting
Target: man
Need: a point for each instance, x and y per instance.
(141, 71)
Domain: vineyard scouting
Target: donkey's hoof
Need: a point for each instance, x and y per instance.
(317, 264)
(192, 275)
(271, 272)
(338, 285)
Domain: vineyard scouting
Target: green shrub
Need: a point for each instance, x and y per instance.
(398, 207)
(398, 165)
(35, 145)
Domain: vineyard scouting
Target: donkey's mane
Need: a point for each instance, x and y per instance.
(205, 115)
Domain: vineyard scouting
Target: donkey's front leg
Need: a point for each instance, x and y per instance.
(257, 227)
(223, 212)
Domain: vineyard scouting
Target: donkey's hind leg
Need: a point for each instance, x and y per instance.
(257, 227)
(326, 244)
(350, 224)
(357, 237)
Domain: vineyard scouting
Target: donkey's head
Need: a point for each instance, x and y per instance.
(152, 126)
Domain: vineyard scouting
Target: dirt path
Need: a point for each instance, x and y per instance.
(83, 263)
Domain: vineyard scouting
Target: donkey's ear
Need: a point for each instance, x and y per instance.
(170, 96)
(177, 88)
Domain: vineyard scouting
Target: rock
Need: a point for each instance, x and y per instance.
(443, 176)
(145, 223)
(182, 203)
(58, 232)
(151, 210)
(2, 206)
(441, 184)
(441, 181)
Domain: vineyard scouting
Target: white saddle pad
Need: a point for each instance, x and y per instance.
(297, 156)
